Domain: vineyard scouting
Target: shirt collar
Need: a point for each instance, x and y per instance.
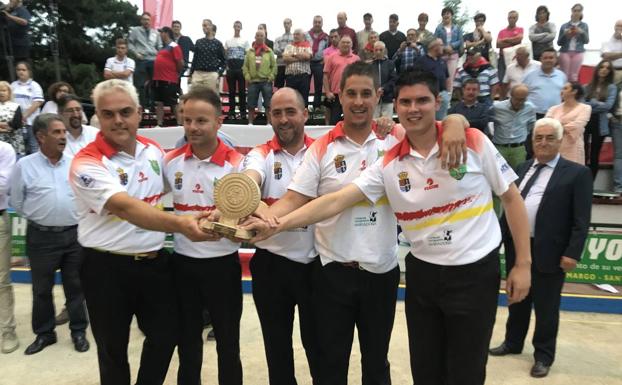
(218, 157)
(551, 163)
(276, 146)
(406, 149)
(109, 151)
(63, 158)
(338, 132)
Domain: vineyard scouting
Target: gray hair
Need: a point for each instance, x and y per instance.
(110, 85)
(380, 44)
(43, 121)
(557, 126)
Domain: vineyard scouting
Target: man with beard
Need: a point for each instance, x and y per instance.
(78, 134)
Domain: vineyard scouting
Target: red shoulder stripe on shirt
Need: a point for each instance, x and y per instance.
(183, 150)
(321, 145)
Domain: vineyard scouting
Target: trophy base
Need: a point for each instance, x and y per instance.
(227, 231)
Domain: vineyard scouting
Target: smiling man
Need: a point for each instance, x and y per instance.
(78, 134)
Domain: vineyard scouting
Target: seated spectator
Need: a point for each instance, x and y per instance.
(479, 39)
(476, 67)
(612, 50)
(259, 70)
(168, 64)
(516, 71)
(366, 53)
(542, 34)
(616, 135)
(573, 116)
(476, 112)
(297, 58)
(29, 95)
(55, 92)
(119, 66)
(385, 70)
(78, 135)
(11, 120)
(408, 52)
(601, 95)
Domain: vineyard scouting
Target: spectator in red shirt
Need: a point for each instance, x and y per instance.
(168, 63)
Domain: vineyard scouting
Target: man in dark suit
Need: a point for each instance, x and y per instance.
(558, 198)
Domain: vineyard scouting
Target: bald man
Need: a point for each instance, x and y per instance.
(344, 30)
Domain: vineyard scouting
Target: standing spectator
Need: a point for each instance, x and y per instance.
(432, 62)
(423, 35)
(409, 51)
(264, 28)
(515, 72)
(386, 75)
(542, 34)
(259, 71)
(235, 49)
(319, 42)
(40, 193)
(333, 69)
(558, 198)
(185, 42)
(344, 30)
(612, 50)
(29, 95)
(479, 39)
(451, 35)
(78, 135)
(573, 36)
(208, 62)
(9, 342)
(616, 135)
(334, 44)
(392, 38)
(10, 124)
(367, 52)
(508, 37)
(601, 95)
(119, 66)
(573, 116)
(546, 83)
(476, 67)
(297, 57)
(17, 20)
(168, 64)
(362, 36)
(478, 114)
(144, 43)
(280, 44)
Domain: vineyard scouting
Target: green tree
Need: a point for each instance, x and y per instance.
(86, 31)
(460, 18)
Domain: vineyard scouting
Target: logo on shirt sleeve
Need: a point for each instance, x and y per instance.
(155, 166)
(404, 181)
(142, 177)
(340, 164)
(278, 170)
(86, 180)
(179, 180)
(123, 178)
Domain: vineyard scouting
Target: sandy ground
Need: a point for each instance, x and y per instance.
(589, 352)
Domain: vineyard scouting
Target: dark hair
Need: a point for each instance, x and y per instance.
(53, 89)
(447, 9)
(394, 17)
(359, 68)
(204, 94)
(578, 5)
(470, 81)
(545, 9)
(423, 15)
(413, 77)
(42, 122)
(549, 49)
(146, 13)
(367, 16)
(25, 63)
(333, 30)
(578, 88)
(479, 16)
(62, 102)
(591, 88)
(176, 22)
(120, 41)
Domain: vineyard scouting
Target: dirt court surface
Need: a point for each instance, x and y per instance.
(588, 352)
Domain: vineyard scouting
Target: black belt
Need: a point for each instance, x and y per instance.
(509, 144)
(52, 229)
(352, 265)
(136, 256)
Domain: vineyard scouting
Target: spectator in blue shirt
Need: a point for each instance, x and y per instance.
(478, 114)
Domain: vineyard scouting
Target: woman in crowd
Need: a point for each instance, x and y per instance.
(55, 92)
(542, 33)
(573, 115)
(573, 36)
(29, 95)
(451, 35)
(600, 95)
(616, 135)
(10, 120)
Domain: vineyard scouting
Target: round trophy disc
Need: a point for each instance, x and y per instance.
(236, 195)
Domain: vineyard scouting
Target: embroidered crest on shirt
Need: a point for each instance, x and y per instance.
(278, 170)
(86, 180)
(123, 178)
(458, 172)
(340, 164)
(155, 166)
(404, 181)
(179, 180)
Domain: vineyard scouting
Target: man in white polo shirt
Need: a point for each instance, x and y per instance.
(118, 184)
(282, 266)
(207, 274)
(78, 134)
(453, 269)
(120, 66)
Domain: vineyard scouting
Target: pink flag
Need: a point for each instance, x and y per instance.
(161, 12)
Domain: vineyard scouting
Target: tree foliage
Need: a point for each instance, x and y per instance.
(460, 18)
(86, 31)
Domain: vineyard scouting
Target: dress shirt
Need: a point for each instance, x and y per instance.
(534, 196)
(545, 89)
(40, 191)
(512, 126)
(7, 161)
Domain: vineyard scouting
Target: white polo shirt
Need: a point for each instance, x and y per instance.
(98, 172)
(192, 182)
(116, 65)
(277, 167)
(447, 217)
(74, 145)
(514, 73)
(364, 233)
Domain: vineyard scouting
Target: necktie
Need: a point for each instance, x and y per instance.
(532, 180)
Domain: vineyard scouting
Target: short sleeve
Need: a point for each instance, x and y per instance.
(496, 169)
(92, 183)
(255, 161)
(108, 65)
(306, 180)
(131, 64)
(37, 92)
(371, 181)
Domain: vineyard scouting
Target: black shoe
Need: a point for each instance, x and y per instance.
(539, 370)
(501, 350)
(62, 317)
(40, 343)
(80, 343)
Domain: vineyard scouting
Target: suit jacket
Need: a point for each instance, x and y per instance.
(562, 219)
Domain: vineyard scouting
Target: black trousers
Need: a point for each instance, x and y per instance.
(345, 297)
(317, 72)
(118, 287)
(47, 252)
(593, 143)
(450, 313)
(279, 80)
(214, 284)
(235, 78)
(279, 285)
(301, 84)
(545, 297)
